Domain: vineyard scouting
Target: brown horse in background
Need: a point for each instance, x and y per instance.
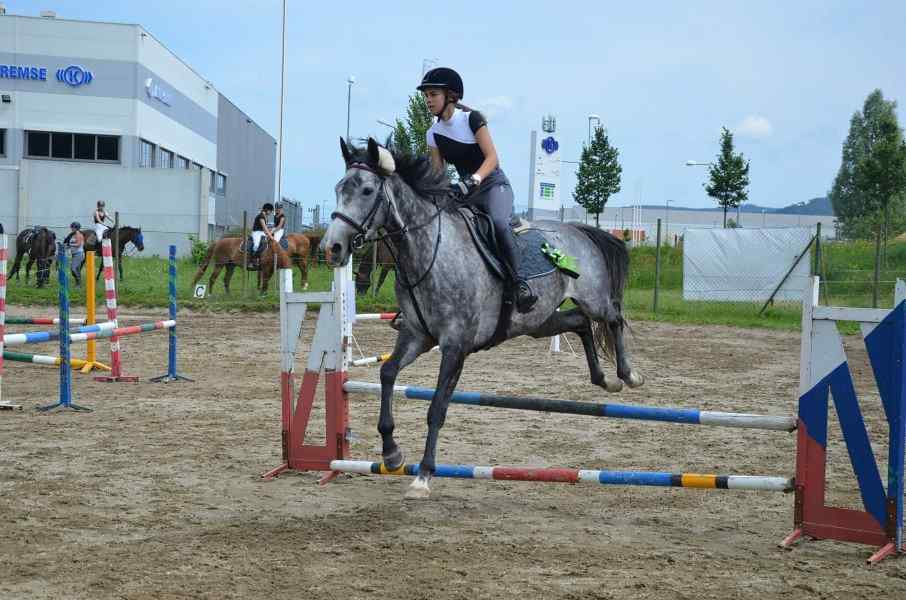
(225, 252)
(297, 253)
(366, 267)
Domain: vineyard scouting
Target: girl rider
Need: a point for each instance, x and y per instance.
(259, 230)
(279, 222)
(460, 136)
(101, 218)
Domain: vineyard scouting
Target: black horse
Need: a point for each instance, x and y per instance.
(127, 235)
(40, 245)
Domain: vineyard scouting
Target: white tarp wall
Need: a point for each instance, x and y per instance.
(744, 265)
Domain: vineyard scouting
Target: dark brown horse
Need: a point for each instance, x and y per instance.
(40, 245)
(127, 235)
(366, 268)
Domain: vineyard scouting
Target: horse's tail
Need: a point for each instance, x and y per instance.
(204, 264)
(315, 241)
(616, 259)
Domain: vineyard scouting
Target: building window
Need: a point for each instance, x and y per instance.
(146, 154)
(220, 184)
(2, 142)
(166, 159)
(72, 146)
(108, 148)
(182, 162)
(211, 187)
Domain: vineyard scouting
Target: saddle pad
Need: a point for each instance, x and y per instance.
(532, 261)
(284, 243)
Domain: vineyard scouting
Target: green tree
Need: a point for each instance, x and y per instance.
(729, 176)
(599, 175)
(409, 135)
(859, 209)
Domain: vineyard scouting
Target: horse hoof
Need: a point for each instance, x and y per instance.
(635, 380)
(613, 386)
(418, 490)
(394, 460)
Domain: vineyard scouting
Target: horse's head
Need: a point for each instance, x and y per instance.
(136, 237)
(364, 201)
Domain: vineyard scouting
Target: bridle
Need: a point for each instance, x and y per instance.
(361, 237)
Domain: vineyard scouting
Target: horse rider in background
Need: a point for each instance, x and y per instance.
(260, 229)
(279, 228)
(101, 220)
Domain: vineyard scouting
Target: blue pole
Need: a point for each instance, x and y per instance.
(65, 373)
(171, 354)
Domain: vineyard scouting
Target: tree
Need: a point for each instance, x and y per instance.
(409, 135)
(599, 175)
(859, 209)
(729, 176)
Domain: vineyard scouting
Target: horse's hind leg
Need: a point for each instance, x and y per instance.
(227, 276)
(615, 324)
(214, 273)
(408, 347)
(575, 321)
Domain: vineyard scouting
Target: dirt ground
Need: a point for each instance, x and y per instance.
(156, 494)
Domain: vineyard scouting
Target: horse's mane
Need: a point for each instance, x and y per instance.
(414, 170)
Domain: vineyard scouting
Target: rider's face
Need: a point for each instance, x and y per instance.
(435, 98)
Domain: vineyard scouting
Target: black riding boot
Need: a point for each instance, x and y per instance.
(524, 297)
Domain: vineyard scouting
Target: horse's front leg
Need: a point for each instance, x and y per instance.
(450, 369)
(409, 346)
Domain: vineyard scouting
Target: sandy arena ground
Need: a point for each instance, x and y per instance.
(157, 493)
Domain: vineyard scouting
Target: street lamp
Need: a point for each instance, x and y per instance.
(385, 124)
(592, 117)
(667, 220)
(350, 80)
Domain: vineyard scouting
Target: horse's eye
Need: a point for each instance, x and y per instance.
(368, 191)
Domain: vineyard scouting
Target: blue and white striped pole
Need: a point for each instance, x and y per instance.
(65, 374)
(171, 354)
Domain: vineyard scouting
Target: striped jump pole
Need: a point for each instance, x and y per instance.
(121, 331)
(171, 374)
(371, 360)
(40, 337)
(41, 321)
(65, 400)
(375, 316)
(689, 416)
(41, 359)
(560, 475)
(116, 367)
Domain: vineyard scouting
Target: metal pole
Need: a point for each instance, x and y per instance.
(657, 267)
(282, 97)
(245, 253)
(374, 268)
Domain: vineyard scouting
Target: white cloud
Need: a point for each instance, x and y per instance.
(495, 107)
(755, 126)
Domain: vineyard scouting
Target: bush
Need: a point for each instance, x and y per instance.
(199, 249)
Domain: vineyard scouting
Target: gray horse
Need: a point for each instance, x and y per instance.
(449, 296)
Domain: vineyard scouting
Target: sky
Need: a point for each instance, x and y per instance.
(664, 77)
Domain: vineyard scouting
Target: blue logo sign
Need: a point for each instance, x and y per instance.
(74, 76)
(23, 72)
(550, 145)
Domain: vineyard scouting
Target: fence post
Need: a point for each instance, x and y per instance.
(877, 275)
(374, 269)
(657, 267)
(245, 254)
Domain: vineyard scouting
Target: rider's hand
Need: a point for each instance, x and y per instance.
(466, 186)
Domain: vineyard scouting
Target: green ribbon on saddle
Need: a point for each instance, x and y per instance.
(562, 261)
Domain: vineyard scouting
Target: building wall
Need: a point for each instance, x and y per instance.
(164, 203)
(9, 197)
(247, 155)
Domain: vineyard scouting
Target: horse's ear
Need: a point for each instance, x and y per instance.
(347, 155)
(374, 155)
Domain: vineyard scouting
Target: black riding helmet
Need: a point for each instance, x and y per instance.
(443, 78)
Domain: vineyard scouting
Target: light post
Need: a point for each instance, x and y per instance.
(350, 80)
(385, 124)
(762, 218)
(596, 118)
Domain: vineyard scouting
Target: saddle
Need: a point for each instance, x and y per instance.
(533, 263)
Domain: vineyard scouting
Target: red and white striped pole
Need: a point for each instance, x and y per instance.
(110, 295)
